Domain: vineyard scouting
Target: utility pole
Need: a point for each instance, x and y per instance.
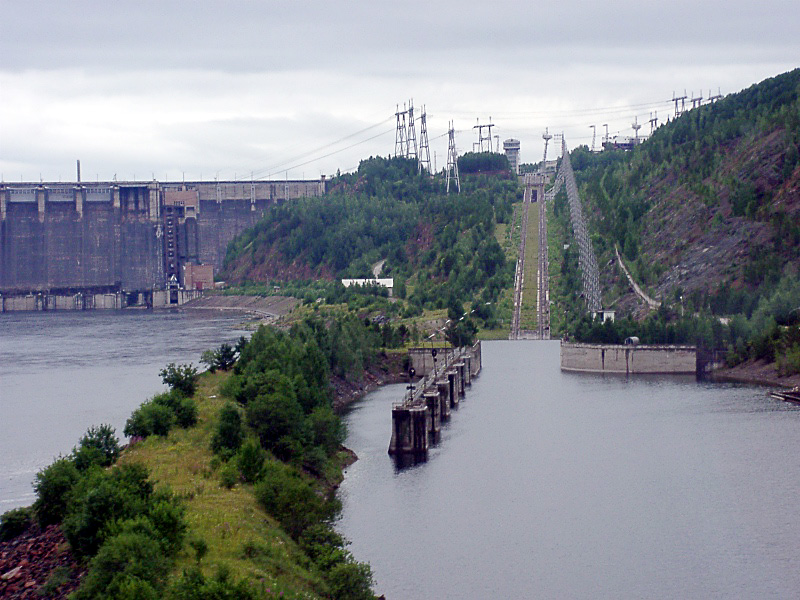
(452, 159)
(424, 149)
(400, 143)
(594, 135)
(682, 100)
(653, 122)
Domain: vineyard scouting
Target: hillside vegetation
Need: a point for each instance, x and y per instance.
(706, 215)
(441, 250)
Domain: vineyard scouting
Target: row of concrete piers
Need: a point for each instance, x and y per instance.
(417, 420)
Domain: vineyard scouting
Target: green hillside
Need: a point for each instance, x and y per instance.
(706, 215)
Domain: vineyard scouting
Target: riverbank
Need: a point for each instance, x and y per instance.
(268, 308)
(756, 371)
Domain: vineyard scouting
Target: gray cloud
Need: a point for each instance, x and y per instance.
(207, 86)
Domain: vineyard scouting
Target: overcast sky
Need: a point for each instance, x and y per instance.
(298, 88)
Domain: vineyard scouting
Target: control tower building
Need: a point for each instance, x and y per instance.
(511, 148)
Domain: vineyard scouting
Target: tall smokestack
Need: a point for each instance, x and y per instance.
(79, 170)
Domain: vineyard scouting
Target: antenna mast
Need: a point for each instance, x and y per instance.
(546, 136)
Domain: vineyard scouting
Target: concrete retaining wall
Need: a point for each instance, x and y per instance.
(600, 358)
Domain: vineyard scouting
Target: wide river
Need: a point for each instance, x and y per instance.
(557, 485)
(61, 372)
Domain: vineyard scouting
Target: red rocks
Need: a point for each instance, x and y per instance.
(34, 559)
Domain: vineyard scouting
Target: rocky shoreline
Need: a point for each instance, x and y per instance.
(758, 372)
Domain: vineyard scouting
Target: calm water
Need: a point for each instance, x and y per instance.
(62, 372)
(554, 485)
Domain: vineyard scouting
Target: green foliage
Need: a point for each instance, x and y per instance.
(482, 162)
(180, 377)
(228, 475)
(351, 581)
(15, 522)
(184, 408)
(289, 497)
(129, 565)
(102, 440)
(250, 461)
(52, 486)
(99, 498)
(223, 358)
(151, 418)
(229, 433)
(193, 585)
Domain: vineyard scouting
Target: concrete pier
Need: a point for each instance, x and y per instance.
(416, 421)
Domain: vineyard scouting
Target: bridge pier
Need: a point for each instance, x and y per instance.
(443, 385)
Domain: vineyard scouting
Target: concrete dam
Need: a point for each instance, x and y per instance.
(116, 244)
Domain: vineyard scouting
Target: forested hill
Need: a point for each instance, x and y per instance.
(441, 248)
(706, 211)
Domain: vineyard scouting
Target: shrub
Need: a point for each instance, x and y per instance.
(99, 499)
(129, 565)
(52, 486)
(14, 522)
(229, 433)
(183, 407)
(250, 460)
(323, 546)
(351, 581)
(193, 585)
(103, 439)
(180, 377)
(228, 475)
(291, 499)
(274, 416)
(151, 418)
(327, 430)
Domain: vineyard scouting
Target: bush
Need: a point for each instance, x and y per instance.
(291, 499)
(183, 407)
(180, 377)
(351, 581)
(52, 486)
(129, 565)
(193, 585)
(100, 498)
(102, 438)
(151, 418)
(14, 522)
(229, 432)
(228, 475)
(250, 461)
(274, 416)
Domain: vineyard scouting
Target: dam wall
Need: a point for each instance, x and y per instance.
(124, 237)
(628, 360)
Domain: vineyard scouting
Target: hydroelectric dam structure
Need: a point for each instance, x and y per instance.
(78, 246)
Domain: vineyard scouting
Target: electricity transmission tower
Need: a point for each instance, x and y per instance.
(487, 138)
(411, 134)
(682, 100)
(400, 140)
(653, 122)
(594, 135)
(424, 149)
(452, 159)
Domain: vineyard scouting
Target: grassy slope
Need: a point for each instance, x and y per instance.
(239, 534)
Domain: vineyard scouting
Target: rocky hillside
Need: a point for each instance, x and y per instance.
(707, 211)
